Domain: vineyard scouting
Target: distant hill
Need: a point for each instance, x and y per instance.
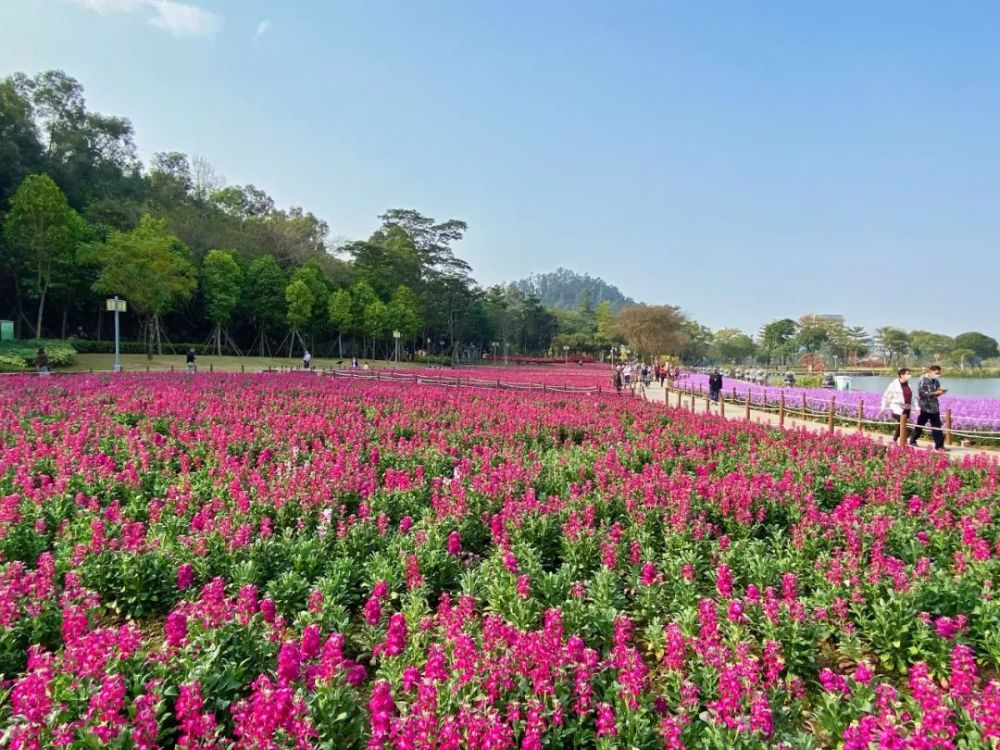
(564, 289)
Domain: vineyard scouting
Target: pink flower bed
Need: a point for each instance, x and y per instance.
(223, 561)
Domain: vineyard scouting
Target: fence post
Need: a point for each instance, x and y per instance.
(498, 386)
(171, 368)
(804, 410)
(903, 437)
(829, 418)
(781, 410)
(746, 413)
(211, 367)
(947, 427)
(722, 404)
(861, 417)
(598, 387)
(147, 367)
(242, 370)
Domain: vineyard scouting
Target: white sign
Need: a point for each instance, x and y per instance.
(115, 304)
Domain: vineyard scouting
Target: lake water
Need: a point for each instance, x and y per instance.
(976, 387)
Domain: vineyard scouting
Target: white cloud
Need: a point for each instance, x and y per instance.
(180, 19)
(262, 28)
(107, 7)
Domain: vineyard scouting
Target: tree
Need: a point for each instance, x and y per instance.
(931, 345)
(45, 231)
(375, 320)
(984, 346)
(777, 339)
(341, 316)
(895, 343)
(404, 312)
(653, 331)
(150, 268)
(604, 317)
(812, 334)
(300, 302)
(222, 282)
(732, 345)
(264, 297)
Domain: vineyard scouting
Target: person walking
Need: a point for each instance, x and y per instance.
(189, 360)
(898, 399)
(306, 359)
(715, 385)
(42, 361)
(617, 378)
(928, 391)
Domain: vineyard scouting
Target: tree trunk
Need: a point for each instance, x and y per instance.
(340, 345)
(41, 309)
(159, 345)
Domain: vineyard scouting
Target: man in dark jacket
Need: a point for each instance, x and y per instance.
(715, 385)
(928, 391)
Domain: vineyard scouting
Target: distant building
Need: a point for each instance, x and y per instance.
(827, 319)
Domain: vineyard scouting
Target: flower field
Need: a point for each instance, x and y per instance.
(969, 413)
(295, 561)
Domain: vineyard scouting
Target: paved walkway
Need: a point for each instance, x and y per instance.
(738, 411)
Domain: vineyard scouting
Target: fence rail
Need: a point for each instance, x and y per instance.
(827, 412)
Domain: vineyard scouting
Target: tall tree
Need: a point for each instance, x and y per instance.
(653, 331)
(341, 315)
(984, 346)
(45, 231)
(148, 267)
(300, 309)
(895, 343)
(264, 298)
(222, 283)
(777, 339)
(732, 345)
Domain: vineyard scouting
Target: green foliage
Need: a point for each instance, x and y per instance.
(300, 304)
(222, 283)
(19, 356)
(42, 231)
(148, 267)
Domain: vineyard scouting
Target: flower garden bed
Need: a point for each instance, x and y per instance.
(226, 561)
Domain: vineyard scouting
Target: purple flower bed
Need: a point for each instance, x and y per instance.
(968, 414)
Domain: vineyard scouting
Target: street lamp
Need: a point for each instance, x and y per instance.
(117, 306)
(396, 335)
(566, 353)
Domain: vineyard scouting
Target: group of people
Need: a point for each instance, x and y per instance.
(898, 400)
(627, 375)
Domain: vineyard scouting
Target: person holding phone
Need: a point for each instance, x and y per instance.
(928, 391)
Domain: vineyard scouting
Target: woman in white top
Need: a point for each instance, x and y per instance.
(898, 398)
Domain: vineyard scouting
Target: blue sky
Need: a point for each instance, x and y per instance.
(744, 160)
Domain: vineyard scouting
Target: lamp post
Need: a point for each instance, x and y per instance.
(118, 306)
(566, 354)
(427, 354)
(396, 335)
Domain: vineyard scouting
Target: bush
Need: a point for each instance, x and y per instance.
(91, 346)
(19, 356)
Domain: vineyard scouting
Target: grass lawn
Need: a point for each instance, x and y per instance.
(133, 362)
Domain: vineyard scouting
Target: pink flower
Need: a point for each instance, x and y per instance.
(185, 576)
(606, 725)
(454, 544)
(176, 629)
